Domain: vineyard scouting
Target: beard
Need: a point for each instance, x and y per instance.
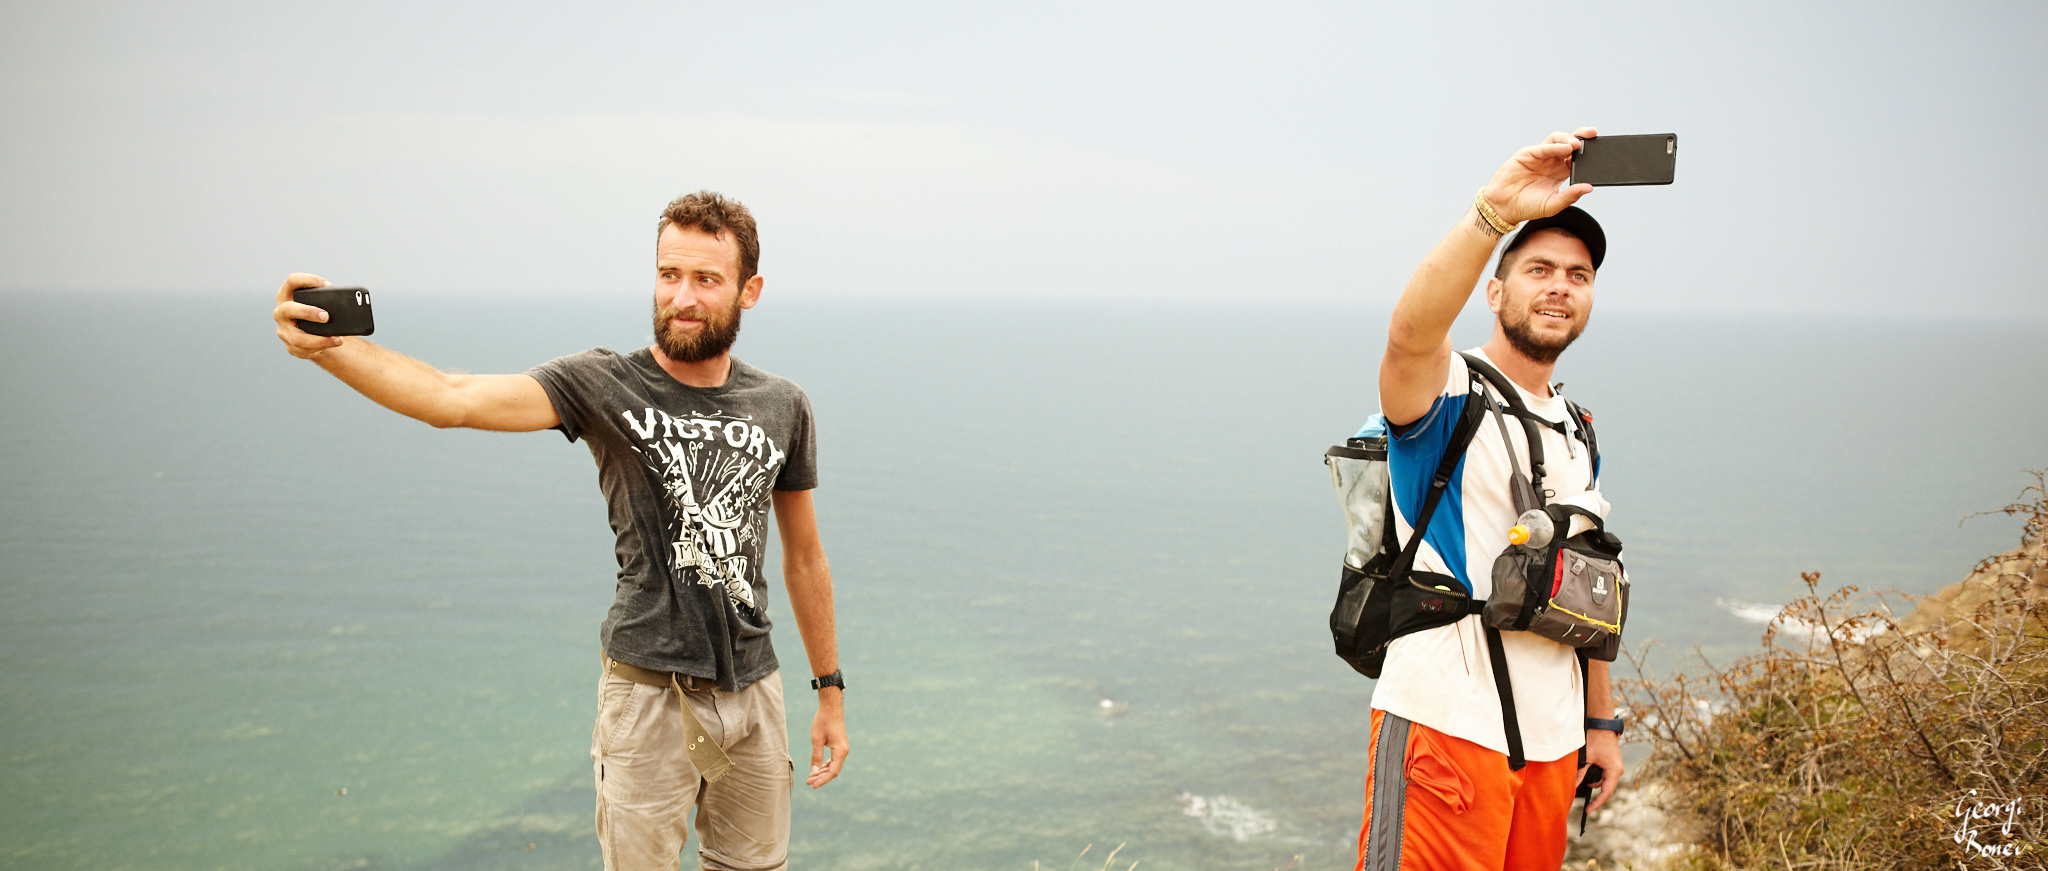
(715, 337)
(1523, 338)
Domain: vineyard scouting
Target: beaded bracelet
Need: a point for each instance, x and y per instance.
(1491, 217)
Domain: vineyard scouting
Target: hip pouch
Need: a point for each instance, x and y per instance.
(1570, 591)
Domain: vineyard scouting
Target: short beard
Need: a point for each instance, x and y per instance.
(1525, 340)
(714, 338)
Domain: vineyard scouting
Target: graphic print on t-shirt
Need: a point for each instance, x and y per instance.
(715, 471)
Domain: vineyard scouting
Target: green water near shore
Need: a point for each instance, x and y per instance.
(233, 589)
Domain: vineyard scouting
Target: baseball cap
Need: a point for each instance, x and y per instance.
(1573, 220)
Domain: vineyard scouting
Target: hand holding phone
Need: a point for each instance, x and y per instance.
(294, 317)
(1526, 187)
(347, 308)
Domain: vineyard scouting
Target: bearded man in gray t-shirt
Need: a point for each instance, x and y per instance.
(693, 448)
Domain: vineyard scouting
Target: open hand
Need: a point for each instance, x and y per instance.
(1526, 187)
(828, 730)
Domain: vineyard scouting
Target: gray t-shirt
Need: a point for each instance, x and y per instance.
(686, 472)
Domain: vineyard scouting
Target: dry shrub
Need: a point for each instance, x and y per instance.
(1854, 741)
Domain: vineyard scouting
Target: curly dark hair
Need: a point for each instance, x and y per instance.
(708, 212)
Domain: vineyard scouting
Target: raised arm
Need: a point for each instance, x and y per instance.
(808, 579)
(1419, 349)
(506, 403)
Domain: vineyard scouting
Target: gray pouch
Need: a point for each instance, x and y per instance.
(1572, 592)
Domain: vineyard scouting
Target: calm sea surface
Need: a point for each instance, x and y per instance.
(1083, 560)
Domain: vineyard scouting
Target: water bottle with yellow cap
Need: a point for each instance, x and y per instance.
(1533, 529)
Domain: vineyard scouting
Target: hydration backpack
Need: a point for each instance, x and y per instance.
(1380, 597)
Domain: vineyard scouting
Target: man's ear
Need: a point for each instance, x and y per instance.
(751, 293)
(1494, 287)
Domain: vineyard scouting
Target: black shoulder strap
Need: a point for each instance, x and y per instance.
(1454, 451)
(1500, 382)
(1582, 420)
(1508, 721)
(1512, 395)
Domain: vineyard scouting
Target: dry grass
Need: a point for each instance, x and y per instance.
(1857, 741)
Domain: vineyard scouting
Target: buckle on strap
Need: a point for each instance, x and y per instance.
(710, 759)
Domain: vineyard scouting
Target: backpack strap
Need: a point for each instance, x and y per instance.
(1510, 724)
(1512, 396)
(1454, 453)
(1521, 490)
(1501, 685)
(1581, 421)
(1559, 427)
(1402, 556)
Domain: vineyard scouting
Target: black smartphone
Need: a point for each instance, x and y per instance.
(347, 308)
(1649, 158)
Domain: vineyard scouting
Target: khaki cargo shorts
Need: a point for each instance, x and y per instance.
(647, 786)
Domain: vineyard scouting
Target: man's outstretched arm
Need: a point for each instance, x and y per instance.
(808, 579)
(506, 403)
(1419, 349)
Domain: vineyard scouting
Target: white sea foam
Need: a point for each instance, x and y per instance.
(1226, 817)
(1794, 626)
(1749, 611)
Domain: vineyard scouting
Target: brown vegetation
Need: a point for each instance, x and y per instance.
(1857, 741)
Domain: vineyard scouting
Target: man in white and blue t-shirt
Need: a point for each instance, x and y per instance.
(1440, 793)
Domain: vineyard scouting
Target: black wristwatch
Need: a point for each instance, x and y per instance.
(1613, 725)
(832, 680)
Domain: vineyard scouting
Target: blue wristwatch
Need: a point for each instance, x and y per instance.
(1613, 725)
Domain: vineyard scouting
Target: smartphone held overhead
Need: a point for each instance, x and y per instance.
(347, 308)
(1649, 158)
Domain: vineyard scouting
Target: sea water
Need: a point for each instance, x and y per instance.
(1083, 558)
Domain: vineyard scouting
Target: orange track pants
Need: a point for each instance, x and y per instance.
(1438, 803)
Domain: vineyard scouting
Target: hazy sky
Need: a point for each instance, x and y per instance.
(1880, 158)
